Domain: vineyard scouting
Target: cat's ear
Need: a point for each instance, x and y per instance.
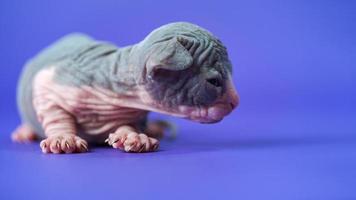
(171, 55)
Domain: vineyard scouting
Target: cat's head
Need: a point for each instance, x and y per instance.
(187, 73)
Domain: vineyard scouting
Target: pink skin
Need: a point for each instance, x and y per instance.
(126, 138)
(62, 110)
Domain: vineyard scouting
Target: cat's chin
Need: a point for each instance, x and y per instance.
(208, 121)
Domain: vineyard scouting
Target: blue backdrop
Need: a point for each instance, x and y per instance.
(293, 136)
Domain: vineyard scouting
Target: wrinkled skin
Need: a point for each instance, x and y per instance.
(80, 90)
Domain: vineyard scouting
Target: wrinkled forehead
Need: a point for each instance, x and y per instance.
(182, 29)
(178, 28)
(207, 45)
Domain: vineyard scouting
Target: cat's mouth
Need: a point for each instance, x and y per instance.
(216, 112)
(211, 114)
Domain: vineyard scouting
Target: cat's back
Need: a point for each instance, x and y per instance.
(60, 50)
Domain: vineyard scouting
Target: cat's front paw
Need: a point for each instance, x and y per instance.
(133, 142)
(63, 143)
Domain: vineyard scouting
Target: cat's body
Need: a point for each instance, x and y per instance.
(79, 88)
(52, 78)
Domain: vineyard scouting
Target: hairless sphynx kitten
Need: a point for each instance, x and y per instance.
(80, 90)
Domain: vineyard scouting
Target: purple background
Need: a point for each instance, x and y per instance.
(293, 136)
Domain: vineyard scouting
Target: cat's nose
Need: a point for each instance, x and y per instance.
(232, 97)
(233, 106)
(234, 102)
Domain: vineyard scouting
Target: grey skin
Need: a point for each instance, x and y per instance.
(178, 64)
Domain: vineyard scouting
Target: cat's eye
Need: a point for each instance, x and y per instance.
(215, 82)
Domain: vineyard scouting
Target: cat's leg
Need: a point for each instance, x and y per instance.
(129, 139)
(59, 128)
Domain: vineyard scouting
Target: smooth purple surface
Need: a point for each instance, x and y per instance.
(293, 136)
